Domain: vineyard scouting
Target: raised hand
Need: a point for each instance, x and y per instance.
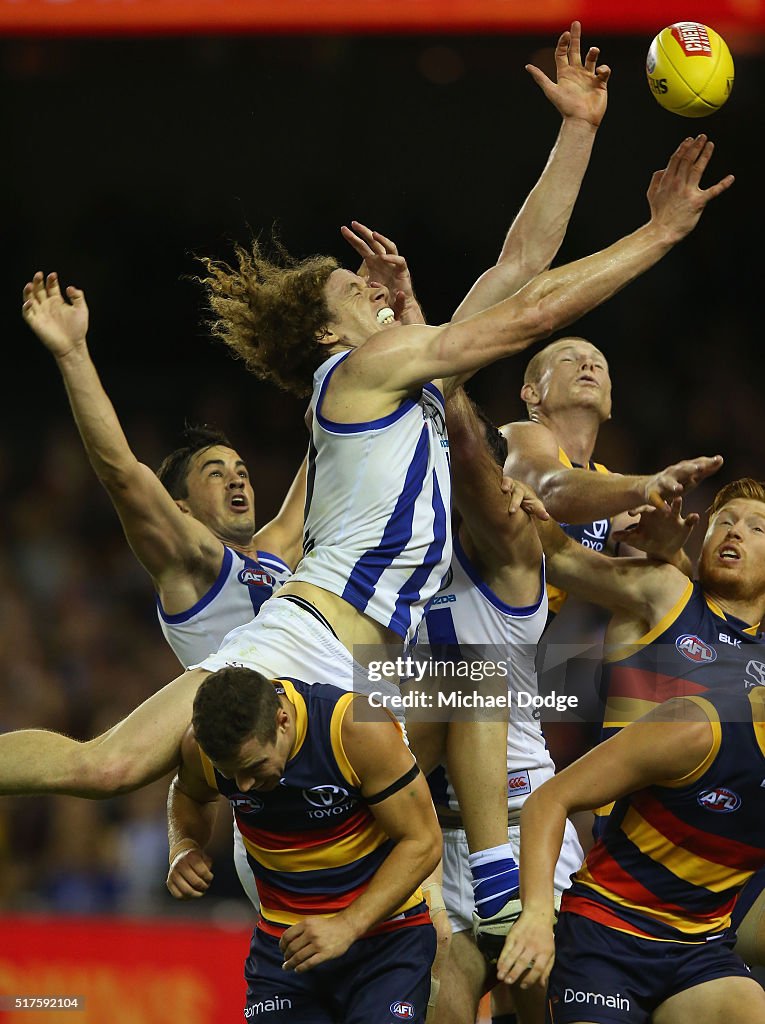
(661, 529)
(383, 265)
(60, 325)
(675, 196)
(521, 496)
(681, 478)
(581, 88)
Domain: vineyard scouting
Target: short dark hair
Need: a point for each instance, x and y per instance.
(495, 439)
(233, 705)
(174, 470)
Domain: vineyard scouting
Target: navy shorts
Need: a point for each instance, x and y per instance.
(383, 979)
(609, 977)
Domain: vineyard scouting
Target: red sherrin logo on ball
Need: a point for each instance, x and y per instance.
(692, 38)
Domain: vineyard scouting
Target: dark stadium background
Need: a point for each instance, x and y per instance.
(123, 158)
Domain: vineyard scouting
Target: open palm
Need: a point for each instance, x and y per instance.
(60, 325)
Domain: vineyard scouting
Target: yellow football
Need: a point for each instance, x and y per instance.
(689, 69)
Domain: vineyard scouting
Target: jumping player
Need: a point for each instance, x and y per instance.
(567, 391)
(492, 608)
(374, 382)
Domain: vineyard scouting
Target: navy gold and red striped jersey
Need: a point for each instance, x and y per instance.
(695, 649)
(591, 535)
(312, 843)
(673, 858)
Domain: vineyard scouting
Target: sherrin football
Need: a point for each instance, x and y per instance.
(689, 69)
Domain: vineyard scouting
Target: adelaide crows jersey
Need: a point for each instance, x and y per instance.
(591, 535)
(312, 843)
(673, 857)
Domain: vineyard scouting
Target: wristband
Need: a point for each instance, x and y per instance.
(182, 846)
(436, 901)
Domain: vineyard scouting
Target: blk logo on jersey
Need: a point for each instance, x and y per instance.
(722, 800)
(404, 1011)
(255, 577)
(755, 674)
(695, 650)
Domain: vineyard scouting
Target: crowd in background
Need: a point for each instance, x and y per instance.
(167, 162)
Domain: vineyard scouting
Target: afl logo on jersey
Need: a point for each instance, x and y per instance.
(247, 804)
(404, 1011)
(255, 577)
(721, 800)
(695, 650)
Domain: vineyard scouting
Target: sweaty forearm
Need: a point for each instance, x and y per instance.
(580, 496)
(100, 430)
(566, 293)
(189, 822)
(405, 868)
(543, 822)
(537, 232)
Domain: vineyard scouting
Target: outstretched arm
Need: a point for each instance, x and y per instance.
(579, 95)
(642, 589)
(283, 535)
(578, 495)
(380, 758)
(667, 744)
(161, 536)
(497, 528)
(394, 361)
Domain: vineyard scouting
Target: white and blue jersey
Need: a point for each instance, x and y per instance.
(377, 524)
(468, 617)
(236, 597)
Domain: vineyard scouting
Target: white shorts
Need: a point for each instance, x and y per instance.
(457, 884)
(286, 640)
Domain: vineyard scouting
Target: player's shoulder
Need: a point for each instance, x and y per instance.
(526, 438)
(527, 431)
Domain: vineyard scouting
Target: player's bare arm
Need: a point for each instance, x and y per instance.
(398, 359)
(283, 535)
(665, 745)
(579, 94)
(191, 811)
(380, 758)
(163, 539)
(638, 591)
(578, 495)
(496, 529)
